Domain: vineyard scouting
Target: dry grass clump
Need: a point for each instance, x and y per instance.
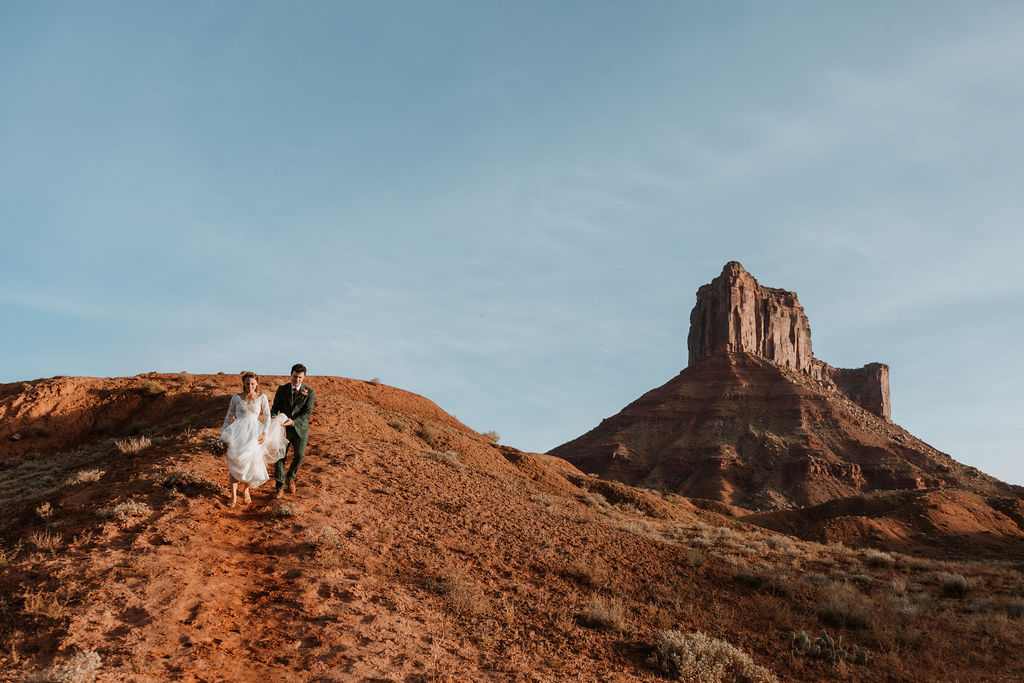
(153, 389)
(398, 425)
(450, 458)
(82, 668)
(953, 585)
(282, 510)
(84, 477)
(546, 501)
(696, 657)
(845, 607)
(603, 613)
(44, 540)
(429, 435)
(44, 603)
(696, 557)
(768, 582)
(375, 381)
(462, 598)
(592, 572)
(594, 499)
(127, 511)
(133, 444)
(186, 480)
(879, 558)
(45, 510)
(492, 435)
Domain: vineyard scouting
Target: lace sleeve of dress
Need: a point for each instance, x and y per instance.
(265, 412)
(230, 417)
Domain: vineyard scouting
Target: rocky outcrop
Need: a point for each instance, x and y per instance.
(735, 314)
(756, 421)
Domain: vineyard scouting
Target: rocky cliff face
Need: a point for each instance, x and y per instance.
(735, 314)
(755, 420)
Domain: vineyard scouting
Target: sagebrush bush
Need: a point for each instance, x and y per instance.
(82, 668)
(126, 511)
(492, 435)
(84, 477)
(696, 657)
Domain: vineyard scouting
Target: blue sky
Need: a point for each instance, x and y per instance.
(508, 206)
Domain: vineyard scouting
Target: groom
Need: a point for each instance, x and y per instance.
(296, 402)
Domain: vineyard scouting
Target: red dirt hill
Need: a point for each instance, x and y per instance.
(416, 549)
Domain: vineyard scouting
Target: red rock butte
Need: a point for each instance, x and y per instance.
(756, 421)
(735, 314)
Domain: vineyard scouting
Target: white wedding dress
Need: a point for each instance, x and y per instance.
(244, 424)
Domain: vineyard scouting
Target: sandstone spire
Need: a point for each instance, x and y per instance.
(735, 314)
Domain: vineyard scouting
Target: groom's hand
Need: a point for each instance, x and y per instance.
(263, 437)
(288, 422)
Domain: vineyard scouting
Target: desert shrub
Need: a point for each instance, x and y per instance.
(451, 584)
(954, 585)
(603, 613)
(45, 540)
(82, 668)
(594, 499)
(781, 543)
(43, 602)
(546, 501)
(375, 381)
(429, 435)
(701, 542)
(768, 582)
(398, 425)
(133, 444)
(845, 607)
(84, 477)
(816, 579)
(126, 511)
(45, 510)
(898, 586)
(449, 458)
(879, 558)
(186, 480)
(826, 648)
(696, 557)
(696, 657)
(282, 510)
(590, 571)
(492, 435)
(153, 389)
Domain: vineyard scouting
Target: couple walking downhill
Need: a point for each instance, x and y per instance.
(258, 435)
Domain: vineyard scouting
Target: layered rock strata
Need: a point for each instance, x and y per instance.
(735, 314)
(756, 421)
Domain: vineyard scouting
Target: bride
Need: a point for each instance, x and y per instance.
(254, 439)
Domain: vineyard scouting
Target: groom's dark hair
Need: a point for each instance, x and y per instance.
(299, 367)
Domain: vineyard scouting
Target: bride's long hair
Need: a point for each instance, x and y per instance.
(246, 376)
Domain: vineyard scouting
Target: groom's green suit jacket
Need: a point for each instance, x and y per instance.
(299, 411)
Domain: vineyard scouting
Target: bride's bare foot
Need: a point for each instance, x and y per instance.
(234, 501)
(247, 498)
